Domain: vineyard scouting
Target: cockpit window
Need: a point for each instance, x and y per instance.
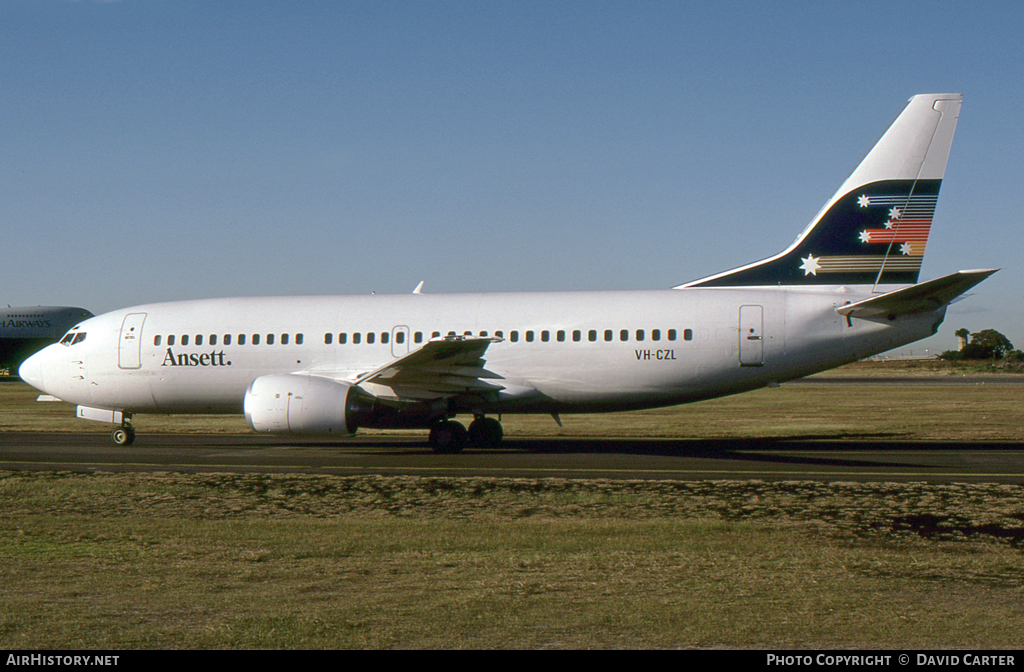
(73, 338)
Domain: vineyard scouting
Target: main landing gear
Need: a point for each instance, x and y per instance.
(450, 436)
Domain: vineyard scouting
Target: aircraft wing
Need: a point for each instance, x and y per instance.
(441, 368)
(922, 298)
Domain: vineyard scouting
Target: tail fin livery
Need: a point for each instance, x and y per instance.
(875, 228)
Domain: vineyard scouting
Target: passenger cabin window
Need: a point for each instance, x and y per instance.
(241, 339)
(655, 334)
(671, 334)
(328, 339)
(370, 337)
(687, 334)
(624, 334)
(607, 334)
(592, 335)
(417, 337)
(255, 339)
(560, 335)
(577, 335)
(184, 339)
(513, 336)
(357, 338)
(284, 339)
(384, 336)
(299, 338)
(343, 338)
(400, 337)
(170, 340)
(270, 339)
(213, 339)
(156, 339)
(199, 339)
(639, 334)
(227, 339)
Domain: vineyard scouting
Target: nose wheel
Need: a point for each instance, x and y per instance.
(123, 435)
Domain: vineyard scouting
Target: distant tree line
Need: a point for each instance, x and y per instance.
(985, 344)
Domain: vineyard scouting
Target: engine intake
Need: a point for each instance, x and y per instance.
(296, 404)
(290, 403)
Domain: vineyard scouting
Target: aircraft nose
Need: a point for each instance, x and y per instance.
(31, 371)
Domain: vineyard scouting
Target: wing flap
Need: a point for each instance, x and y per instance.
(439, 369)
(921, 298)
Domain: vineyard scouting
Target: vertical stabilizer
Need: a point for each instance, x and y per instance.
(875, 228)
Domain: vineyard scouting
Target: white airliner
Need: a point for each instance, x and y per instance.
(844, 290)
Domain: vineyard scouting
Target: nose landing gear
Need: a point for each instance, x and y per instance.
(125, 434)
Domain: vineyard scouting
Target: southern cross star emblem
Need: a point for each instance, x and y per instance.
(863, 201)
(865, 237)
(810, 265)
(894, 213)
(905, 248)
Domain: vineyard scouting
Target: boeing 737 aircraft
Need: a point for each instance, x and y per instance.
(26, 330)
(844, 290)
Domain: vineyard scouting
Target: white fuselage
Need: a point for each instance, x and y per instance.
(561, 352)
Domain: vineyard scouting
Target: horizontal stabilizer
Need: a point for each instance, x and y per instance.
(922, 298)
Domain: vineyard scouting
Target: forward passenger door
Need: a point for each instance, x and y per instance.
(129, 348)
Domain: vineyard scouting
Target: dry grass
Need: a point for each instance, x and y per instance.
(302, 561)
(251, 561)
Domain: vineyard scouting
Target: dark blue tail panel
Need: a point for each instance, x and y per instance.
(875, 233)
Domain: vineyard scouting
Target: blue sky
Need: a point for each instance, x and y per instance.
(167, 150)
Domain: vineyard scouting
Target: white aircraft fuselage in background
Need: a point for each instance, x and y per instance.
(843, 291)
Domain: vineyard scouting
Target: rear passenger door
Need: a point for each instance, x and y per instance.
(751, 336)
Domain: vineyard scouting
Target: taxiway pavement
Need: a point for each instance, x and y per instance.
(866, 459)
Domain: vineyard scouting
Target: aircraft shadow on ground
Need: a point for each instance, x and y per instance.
(777, 450)
(774, 450)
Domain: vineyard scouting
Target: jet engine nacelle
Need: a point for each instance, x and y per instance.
(296, 404)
